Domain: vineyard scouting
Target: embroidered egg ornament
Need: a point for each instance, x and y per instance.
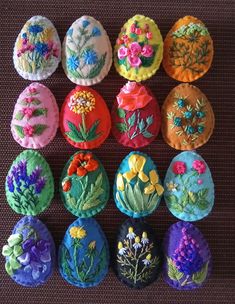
(188, 50)
(187, 118)
(29, 253)
(84, 185)
(29, 184)
(85, 120)
(86, 52)
(84, 254)
(36, 117)
(189, 188)
(137, 254)
(37, 50)
(139, 49)
(187, 257)
(136, 116)
(137, 188)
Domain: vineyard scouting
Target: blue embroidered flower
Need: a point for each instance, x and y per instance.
(89, 56)
(190, 130)
(96, 32)
(188, 114)
(41, 48)
(85, 23)
(70, 32)
(180, 103)
(177, 121)
(200, 129)
(24, 36)
(35, 29)
(200, 114)
(73, 63)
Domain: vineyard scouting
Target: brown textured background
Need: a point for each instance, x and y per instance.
(217, 84)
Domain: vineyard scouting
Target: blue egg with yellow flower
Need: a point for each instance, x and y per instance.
(137, 188)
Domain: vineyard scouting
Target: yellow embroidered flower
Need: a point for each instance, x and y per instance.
(77, 232)
(120, 182)
(147, 260)
(82, 102)
(148, 257)
(92, 245)
(121, 249)
(131, 235)
(136, 163)
(120, 246)
(154, 185)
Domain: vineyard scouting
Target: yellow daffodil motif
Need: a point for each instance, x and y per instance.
(136, 164)
(120, 182)
(154, 184)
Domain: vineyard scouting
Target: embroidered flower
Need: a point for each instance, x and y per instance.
(199, 166)
(120, 182)
(147, 260)
(133, 96)
(147, 51)
(96, 32)
(28, 130)
(144, 239)
(28, 112)
(89, 56)
(179, 167)
(66, 185)
(188, 114)
(41, 48)
(82, 102)
(77, 232)
(121, 249)
(134, 61)
(35, 29)
(136, 164)
(70, 32)
(138, 31)
(135, 48)
(181, 103)
(10, 182)
(137, 243)
(32, 90)
(200, 114)
(190, 129)
(122, 52)
(131, 235)
(82, 163)
(85, 23)
(132, 28)
(40, 184)
(171, 186)
(178, 121)
(73, 62)
(92, 245)
(200, 129)
(149, 35)
(154, 184)
(200, 181)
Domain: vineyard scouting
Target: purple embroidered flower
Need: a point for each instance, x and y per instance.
(40, 184)
(10, 183)
(34, 176)
(187, 256)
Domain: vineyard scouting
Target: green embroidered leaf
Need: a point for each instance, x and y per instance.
(131, 120)
(19, 115)
(203, 193)
(75, 74)
(74, 134)
(192, 197)
(122, 127)
(149, 120)
(17, 250)
(39, 112)
(95, 71)
(36, 102)
(148, 61)
(202, 204)
(91, 134)
(73, 137)
(19, 131)
(122, 61)
(6, 250)
(121, 113)
(200, 276)
(172, 199)
(14, 263)
(147, 134)
(8, 268)
(39, 129)
(141, 125)
(170, 115)
(173, 273)
(133, 35)
(71, 52)
(14, 239)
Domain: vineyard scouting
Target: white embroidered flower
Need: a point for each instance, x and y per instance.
(131, 235)
(137, 243)
(121, 249)
(171, 186)
(147, 260)
(144, 239)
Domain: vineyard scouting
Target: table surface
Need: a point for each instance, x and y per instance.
(218, 85)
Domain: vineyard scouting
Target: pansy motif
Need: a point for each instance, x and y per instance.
(84, 185)
(37, 50)
(87, 52)
(139, 48)
(137, 254)
(29, 253)
(137, 188)
(189, 188)
(187, 118)
(188, 50)
(84, 254)
(36, 117)
(135, 116)
(85, 119)
(187, 257)
(29, 184)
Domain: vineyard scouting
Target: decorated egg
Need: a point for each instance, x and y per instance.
(84, 185)
(139, 49)
(29, 253)
(189, 188)
(84, 254)
(187, 257)
(137, 254)
(136, 116)
(29, 184)
(87, 52)
(85, 119)
(36, 117)
(37, 50)
(188, 50)
(137, 188)
(187, 118)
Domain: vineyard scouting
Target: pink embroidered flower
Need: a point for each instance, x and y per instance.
(133, 28)
(29, 99)
(122, 52)
(32, 90)
(135, 48)
(179, 167)
(149, 35)
(147, 51)
(138, 31)
(199, 166)
(200, 181)
(28, 130)
(119, 41)
(28, 112)
(134, 61)
(125, 38)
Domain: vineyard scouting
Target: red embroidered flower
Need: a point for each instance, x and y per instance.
(199, 166)
(28, 112)
(82, 163)
(28, 130)
(179, 167)
(66, 185)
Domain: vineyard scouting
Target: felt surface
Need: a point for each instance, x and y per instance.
(218, 85)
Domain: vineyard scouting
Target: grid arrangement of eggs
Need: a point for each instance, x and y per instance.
(186, 121)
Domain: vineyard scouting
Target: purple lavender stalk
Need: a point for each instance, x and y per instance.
(10, 182)
(40, 184)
